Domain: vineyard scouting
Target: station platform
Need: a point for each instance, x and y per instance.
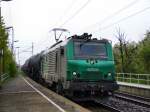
(134, 85)
(136, 89)
(21, 94)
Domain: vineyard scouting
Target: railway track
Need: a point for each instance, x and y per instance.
(125, 103)
(117, 105)
(134, 96)
(145, 102)
(108, 107)
(119, 102)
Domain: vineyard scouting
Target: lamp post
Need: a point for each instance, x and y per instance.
(18, 56)
(15, 55)
(12, 44)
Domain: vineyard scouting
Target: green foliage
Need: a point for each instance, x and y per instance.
(3, 36)
(144, 52)
(12, 68)
(136, 56)
(10, 65)
(7, 63)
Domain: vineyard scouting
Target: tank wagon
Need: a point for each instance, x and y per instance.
(77, 65)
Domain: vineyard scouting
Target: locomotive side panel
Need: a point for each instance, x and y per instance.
(49, 69)
(54, 66)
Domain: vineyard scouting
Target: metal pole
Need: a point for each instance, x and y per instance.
(0, 12)
(0, 50)
(18, 56)
(12, 40)
(12, 43)
(32, 48)
(130, 78)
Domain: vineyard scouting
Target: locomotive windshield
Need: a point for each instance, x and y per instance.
(90, 49)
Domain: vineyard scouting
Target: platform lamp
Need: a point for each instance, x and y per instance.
(18, 56)
(12, 44)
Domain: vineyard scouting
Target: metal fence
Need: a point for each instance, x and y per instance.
(3, 77)
(133, 78)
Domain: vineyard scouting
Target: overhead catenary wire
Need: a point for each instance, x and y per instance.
(105, 19)
(66, 11)
(81, 8)
(25, 52)
(132, 15)
(26, 49)
(77, 12)
(40, 43)
(70, 18)
(114, 14)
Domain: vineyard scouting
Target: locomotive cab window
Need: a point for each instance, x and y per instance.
(90, 50)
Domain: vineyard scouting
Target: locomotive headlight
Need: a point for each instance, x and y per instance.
(109, 74)
(92, 62)
(74, 73)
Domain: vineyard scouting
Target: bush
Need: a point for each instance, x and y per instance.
(12, 69)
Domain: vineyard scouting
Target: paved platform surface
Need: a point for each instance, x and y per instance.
(134, 85)
(18, 96)
(135, 89)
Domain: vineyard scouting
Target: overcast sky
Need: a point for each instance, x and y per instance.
(33, 19)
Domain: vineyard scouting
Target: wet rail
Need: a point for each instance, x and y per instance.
(121, 104)
(108, 107)
(145, 102)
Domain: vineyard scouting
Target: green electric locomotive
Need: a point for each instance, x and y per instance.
(79, 65)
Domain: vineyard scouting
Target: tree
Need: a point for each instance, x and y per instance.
(122, 44)
(7, 62)
(3, 45)
(144, 52)
(132, 57)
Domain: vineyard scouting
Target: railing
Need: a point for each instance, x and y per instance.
(133, 78)
(3, 77)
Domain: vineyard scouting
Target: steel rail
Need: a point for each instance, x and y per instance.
(134, 99)
(134, 96)
(111, 108)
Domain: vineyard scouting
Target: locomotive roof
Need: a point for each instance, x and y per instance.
(83, 37)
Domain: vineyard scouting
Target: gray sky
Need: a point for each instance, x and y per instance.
(33, 19)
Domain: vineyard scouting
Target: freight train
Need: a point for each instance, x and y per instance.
(79, 65)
